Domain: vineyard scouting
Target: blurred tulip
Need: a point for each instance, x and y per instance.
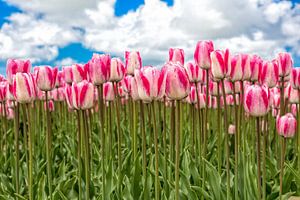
(14, 66)
(3, 91)
(176, 55)
(108, 91)
(219, 63)
(255, 66)
(286, 125)
(23, 88)
(192, 97)
(194, 72)
(295, 78)
(133, 61)
(285, 64)
(50, 106)
(83, 95)
(78, 73)
(231, 129)
(117, 70)
(256, 100)
(59, 82)
(99, 68)
(246, 68)
(202, 54)
(269, 74)
(235, 71)
(46, 77)
(134, 89)
(68, 74)
(58, 94)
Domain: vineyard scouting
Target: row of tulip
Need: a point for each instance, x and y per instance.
(216, 84)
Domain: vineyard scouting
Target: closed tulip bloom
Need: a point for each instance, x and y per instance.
(83, 95)
(117, 70)
(10, 114)
(68, 74)
(286, 125)
(219, 63)
(285, 64)
(293, 95)
(269, 74)
(108, 91)
(46, 77)
(202, 101)
(14, 66)
(79, 73)
(176, 55)
(177, 82)
(99, 68)
(235, 71)
(294, 109)
(237, 87)
(229, 100)
(151, 83)
(192, 97)
(10, 92)
(134, 89)
(274, 112)
(194, 72)
(23, 88)
(202, 54)
(231, 129)
(276, 101)
(255, 66)
(228, 87)
(256, 100)
(69, 96)
(213, 88)
(295, 78)
(58, 94)
(3, 91)
(133, 61)
(59, 82)
(246, 68)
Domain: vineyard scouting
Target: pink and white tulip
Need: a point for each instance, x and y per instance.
(194, 72)
(23, 88)
(46, 78)
(285, 64)
(117, 70)
(108, 91)
(99, 68)
(14, 66)
(82, 95)
(176, 55)
(202, 54)
(286, 125)
(269, 74)
(256, 100)
(133, 61)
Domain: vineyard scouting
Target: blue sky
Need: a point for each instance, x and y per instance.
(49, 35)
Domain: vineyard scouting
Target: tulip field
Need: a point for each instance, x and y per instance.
(221, 126)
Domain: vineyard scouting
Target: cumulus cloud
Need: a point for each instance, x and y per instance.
(251, 26)
(65, 61)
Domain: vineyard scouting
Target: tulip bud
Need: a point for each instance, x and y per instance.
(246, 69)
(192, 97)
(58, 94)
(133, 61)
(83, 95)
(194, 72)
(151, 83)
(285, 64)
(177, 82)
(3, 91)
(256, 100)
(50, 106)
(202, 101)
(236, 72)
(231, 129)
(219, 63)
(10, 92)
(79, 73)
(23, 88)
(46, 77)
(255, 66)
(108, 91)
(202, 54)
(117, 70)
(68, 74)
(294, 109)
(276, 101)
(293, 95)
(14, 66)
(99, 68)
(134, 89)
(69, 96)
(176, 55)
(295, 78)
(59, 82)
(286, 125)
(269, 74)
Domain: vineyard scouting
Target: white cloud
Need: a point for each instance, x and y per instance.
(252, 26)
(65, 61)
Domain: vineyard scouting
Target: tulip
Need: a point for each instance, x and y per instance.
(134, 89)
(177, 82)
(295, 78)
(213, 88)
(269, 74)
(69, 96)
(256, 101)
(3, 91)
(220, 62)
(294, 109)
(202, 101)
(46, 77)
(133, 61)
(9, 92)
(58, 94)
(176, 55)
(231, 129)
(50, 106)
(23, 88)
(151, 83)
(202, 54)
(293, 95)
(276, 101)
(286, 125)
(59, 82)
(192, 97)
(246, 68)
(194, 72)
(99, 68)
(83, 95)
(255, 66)
(285, 64)
(108, 91)
(14, 66)
(68, 74)
(235, 71)
(78, 73)
(228, 86)
(117, 70)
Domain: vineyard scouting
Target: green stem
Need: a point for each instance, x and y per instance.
(144, 147)
(236, 146)
(265, 134)
(258, 158)
(283, 146)
(219, 128)
(172, 137)
(134, 130)
(30, 154)
(16, 127)
(192, 109)
(86, 157)
(226, 141)
(156, 152)
(165, 148)
(177, 158)
(48, 146)
(79, 154)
